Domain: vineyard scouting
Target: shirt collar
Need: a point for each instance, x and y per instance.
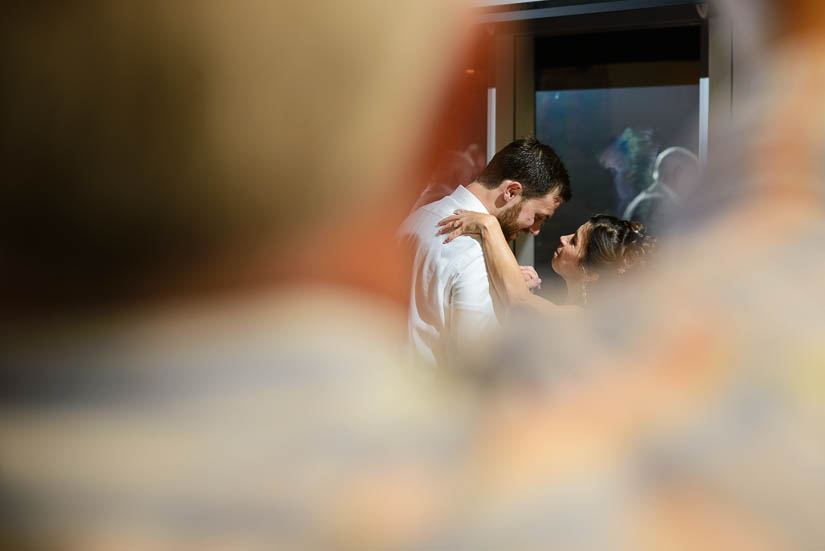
(467, 200)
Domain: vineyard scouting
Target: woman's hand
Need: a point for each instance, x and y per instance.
(465, 222)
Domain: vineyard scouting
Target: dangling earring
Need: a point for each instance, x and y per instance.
(584, 292)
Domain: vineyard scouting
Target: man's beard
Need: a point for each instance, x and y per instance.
(509, 221)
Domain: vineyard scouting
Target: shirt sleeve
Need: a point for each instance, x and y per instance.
(471, 313)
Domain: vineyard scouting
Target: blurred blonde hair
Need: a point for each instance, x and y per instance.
(137, 135)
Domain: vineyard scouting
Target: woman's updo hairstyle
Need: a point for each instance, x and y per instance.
(615, 246)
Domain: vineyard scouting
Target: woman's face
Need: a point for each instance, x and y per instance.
(566, 260)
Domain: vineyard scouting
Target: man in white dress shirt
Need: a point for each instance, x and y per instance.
(450, 302)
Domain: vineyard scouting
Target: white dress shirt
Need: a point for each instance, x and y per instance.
(450, 303)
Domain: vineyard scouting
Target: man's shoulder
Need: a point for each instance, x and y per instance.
(454, 255)
(422, 226)
(443, 207)
(427, 216)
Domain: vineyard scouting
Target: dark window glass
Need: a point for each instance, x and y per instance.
(610, 104)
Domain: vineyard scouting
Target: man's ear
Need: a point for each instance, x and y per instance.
(511, 190)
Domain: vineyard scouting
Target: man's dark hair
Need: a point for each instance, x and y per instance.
(532, 164)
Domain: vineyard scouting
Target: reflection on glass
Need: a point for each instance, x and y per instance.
(628, 151)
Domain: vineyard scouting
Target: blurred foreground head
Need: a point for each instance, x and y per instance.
(165, 149)
(142, 142)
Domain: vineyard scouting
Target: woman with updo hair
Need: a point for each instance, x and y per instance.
(603, 248)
